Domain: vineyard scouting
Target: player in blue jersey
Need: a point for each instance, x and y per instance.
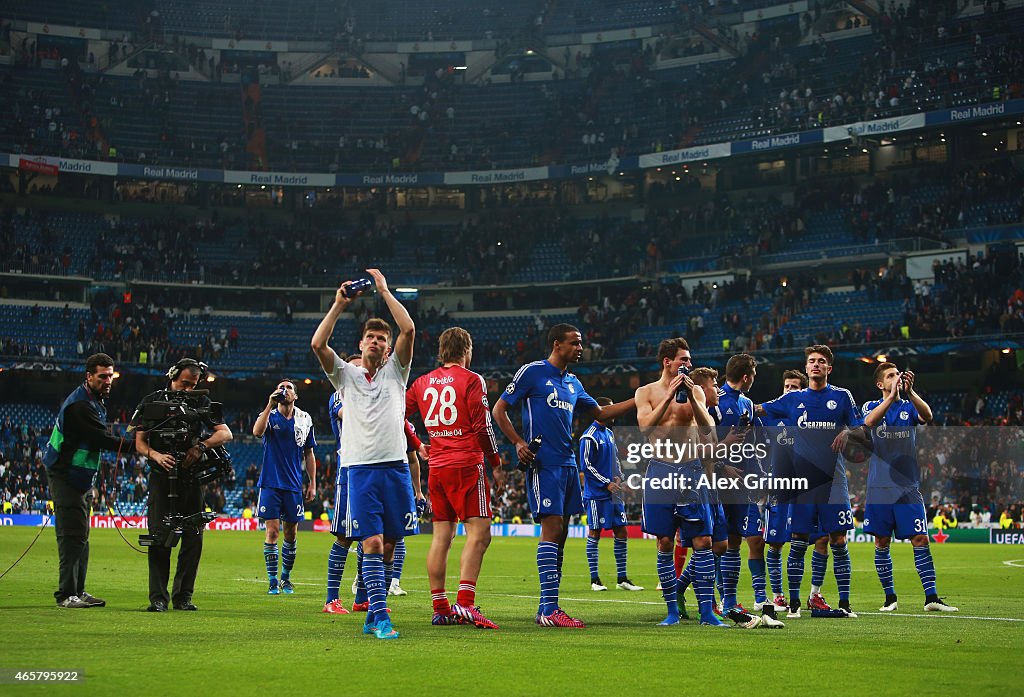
(381, 503)
(822, 412)
(743, 517)
(894, 501)
(338, 555)
(339, 550)
(550, 396)
(288, 443)
(601, 477)
(779, 437)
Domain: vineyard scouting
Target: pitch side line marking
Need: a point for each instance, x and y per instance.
(932, 615)
(946, 615)
(1015, 563)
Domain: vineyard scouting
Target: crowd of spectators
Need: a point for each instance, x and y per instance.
(918, 57)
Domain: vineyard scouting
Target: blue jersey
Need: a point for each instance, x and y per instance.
(731, 405)
(549, 399)
(894, 440)
(763, 436)
(333, 404)
(283, 444)
(599, 461)
(819, 416)
(780, 439)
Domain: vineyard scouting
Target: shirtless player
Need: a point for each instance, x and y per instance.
(687, 426)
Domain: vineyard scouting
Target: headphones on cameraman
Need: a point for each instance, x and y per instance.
(187, 363)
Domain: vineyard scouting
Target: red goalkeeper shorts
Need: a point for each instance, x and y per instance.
(459, 493)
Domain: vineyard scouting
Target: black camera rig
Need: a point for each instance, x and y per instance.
(173, 423)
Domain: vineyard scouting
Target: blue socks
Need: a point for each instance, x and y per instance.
(592, 543)
(547, 571)
(819, 565)
(883, 565)
(373, 578)
(718, 576)
(842, 568)
(667, 576)
(270, 559)
(795, 567)
(335, 569)
(361, 596)
(287, 559)
(925, 569)
(703, 562)
(757, 567)
(773, 558)
(620, 558)
(685, 578)
(730, 565)
(398, 560)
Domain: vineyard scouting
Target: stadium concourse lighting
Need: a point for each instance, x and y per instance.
(307, 381)
(116, 375)
(881, 358)
(410, 290)
(1006, 350)
(866, 359)
(211, 378)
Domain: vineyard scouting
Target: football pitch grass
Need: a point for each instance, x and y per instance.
(244, 641)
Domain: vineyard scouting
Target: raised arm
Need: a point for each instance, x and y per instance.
(613, 411)
(701, 416)
(406, 327)
(260, 426)
(875, 416)
(923, 408)
(324, 353)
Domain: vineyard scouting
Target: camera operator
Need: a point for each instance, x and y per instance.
(183, 376)
(72, 459)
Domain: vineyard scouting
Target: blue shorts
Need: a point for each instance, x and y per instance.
(776, 524)
(720, 528)
(691, 520)
(381, 502)
(340, 502)
(671, 508)
(905, 516)
(743, 519)
(279, 504)
(604, 514)
(554, 491)
(818, 519)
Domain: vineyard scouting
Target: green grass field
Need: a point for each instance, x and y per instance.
(242, 640)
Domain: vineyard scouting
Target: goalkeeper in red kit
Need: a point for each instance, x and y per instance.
(452, 401)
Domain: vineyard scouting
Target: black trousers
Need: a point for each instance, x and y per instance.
(190, 500)
(71, 522)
